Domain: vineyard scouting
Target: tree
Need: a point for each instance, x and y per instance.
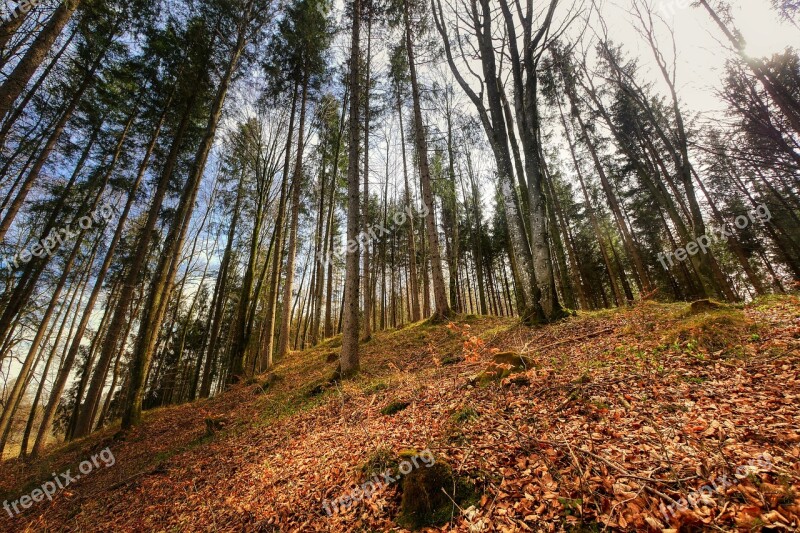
(349, 363)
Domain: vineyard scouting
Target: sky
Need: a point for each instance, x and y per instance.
(701, 59)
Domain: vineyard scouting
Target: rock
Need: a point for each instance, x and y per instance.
(423, 502)
(503, 365)
(427, 496)
(703, 306)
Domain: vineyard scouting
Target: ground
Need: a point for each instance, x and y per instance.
(608, 420)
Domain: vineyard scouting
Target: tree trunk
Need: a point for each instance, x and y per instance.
(349, 363)
(268, 328)
(23, 71)
(44, 155)
(160, 289)
(365, 218)
(412, 250)
(439, 292)
(137, 261)
(286, 317)
(69, 359)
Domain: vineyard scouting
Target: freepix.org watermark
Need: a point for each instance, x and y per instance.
(703, 242)
(378, 483)
(9, 13)
(718, 485)
(59, 482)
(373, 233)
(10, 10)
(57, 238)
(671, 7)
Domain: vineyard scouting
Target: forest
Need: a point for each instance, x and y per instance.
(196, 194)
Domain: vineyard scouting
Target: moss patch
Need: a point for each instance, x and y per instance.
(718, 331)
(503, 365)
(451, 359)
(376, 387)
(704, 306)
(428, 494)
(378, 461)
(267, 383)
(463, 415)
(394, 407)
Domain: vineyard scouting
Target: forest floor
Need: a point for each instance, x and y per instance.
(617, 415)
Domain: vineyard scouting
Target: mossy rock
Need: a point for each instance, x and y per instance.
(451, 359)
(213, 425)
(394, 407)
(503, 365)
(518, 381)
(335, 342)
(463, 415)
(378, 461)
(375, 388)
(428, 496)
(721, 330)
(330, 357)
(705, 306)
(320, 387)
(271, 379)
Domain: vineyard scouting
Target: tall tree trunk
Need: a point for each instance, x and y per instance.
(779, 93)
(297, 180)
(240, 337)
(365, 218)
(349, 363)
(87, 367)
(439, 292)
(137, 261)
(5, 419)
(160, 289)
(7, 30)
(69, 359)
(412, 250)
(23, 452)
(219, 297)
(44, 155)
(268, 328)
(23, 71)
(329, 236)
(592, 217)
(23, 104)
(449, 215)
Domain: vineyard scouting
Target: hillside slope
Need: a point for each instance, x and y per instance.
(616, 413)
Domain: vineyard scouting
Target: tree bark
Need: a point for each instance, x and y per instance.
(23, 71)
(439, 292)
(349, 361)
(160, 289)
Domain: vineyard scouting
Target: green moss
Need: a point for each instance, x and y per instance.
(428, 496)
(334, 342)
(503, 365)
(378, 461)
(316, 390)
(465, 414)
(214, 425)
(711, 332)
(451, 359)
(376, 387)
(267, 383)
(394, 407)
